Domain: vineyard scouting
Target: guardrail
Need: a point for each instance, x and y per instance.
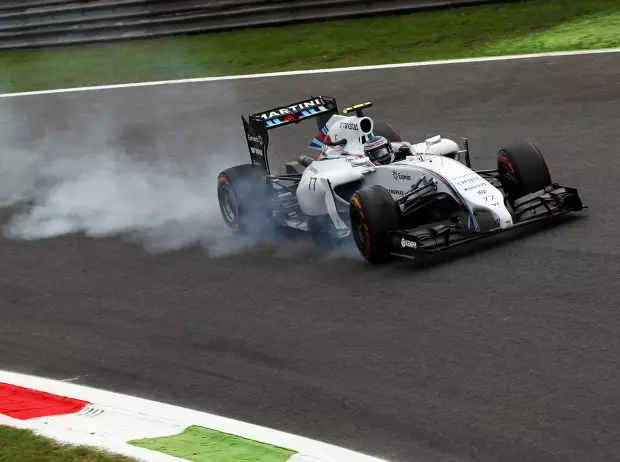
(40, 23)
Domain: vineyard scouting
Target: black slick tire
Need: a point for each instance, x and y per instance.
(522, 170)
(244, 200)
(387, 131)
(373, 214)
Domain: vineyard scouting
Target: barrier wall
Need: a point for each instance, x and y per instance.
(37, 23)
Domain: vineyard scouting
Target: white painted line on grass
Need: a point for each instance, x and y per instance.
(119, 418)
(314, 71)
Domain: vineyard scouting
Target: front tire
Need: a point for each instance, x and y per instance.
(522, 170)
(373, 214)
(245, 200)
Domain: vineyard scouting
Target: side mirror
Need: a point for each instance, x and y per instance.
(340, 142)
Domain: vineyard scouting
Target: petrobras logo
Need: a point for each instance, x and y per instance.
(476, 186)
(405, 243)
(292, 109)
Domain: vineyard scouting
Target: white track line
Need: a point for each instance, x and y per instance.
(125, 415)
(313, 71)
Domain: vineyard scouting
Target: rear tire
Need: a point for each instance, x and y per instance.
(387, 131)
(522, 170)
(245, 200)
(373, 214)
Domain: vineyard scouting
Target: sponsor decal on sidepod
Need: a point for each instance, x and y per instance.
(401, 176)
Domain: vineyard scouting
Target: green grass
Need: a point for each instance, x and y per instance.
(512, 28)
(600, 30)
(200, 444)
(195, 443)
(25, 446)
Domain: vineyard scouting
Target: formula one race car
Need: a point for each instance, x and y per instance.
(429, 198)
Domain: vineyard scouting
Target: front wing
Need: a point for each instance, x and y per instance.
(553, 201)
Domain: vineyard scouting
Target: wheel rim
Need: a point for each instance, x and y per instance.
(508, 177)
(228, 205)
(359, 234)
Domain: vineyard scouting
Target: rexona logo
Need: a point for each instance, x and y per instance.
(406, 243)
(401, 176)
(294, 108)
(255, 139)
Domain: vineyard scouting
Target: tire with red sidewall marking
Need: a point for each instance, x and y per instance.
(522, 170)
(373, 214)
(244, 199)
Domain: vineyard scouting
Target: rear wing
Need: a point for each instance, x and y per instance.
(256, 126)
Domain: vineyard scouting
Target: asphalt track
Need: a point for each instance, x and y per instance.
(506, 352)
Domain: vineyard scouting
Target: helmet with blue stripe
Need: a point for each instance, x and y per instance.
(379, 150)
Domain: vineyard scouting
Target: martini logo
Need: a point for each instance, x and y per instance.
(293, 109)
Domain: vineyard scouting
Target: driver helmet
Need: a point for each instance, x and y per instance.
(379, 150)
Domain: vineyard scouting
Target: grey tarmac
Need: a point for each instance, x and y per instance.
(505, 351)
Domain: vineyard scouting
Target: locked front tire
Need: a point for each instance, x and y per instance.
(373, 213)
(522, 170)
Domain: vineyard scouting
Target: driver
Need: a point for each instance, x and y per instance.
(379, 150)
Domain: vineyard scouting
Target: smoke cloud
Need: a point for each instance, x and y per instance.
(63, 182)
(79, 178)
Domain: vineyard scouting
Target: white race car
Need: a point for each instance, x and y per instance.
(428, 199)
